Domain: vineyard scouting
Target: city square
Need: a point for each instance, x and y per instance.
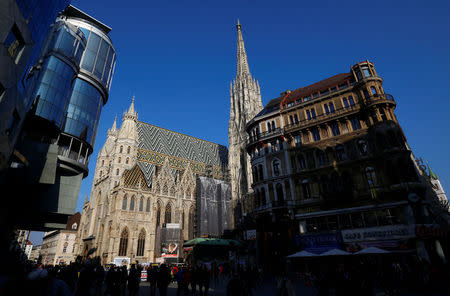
(223, 149)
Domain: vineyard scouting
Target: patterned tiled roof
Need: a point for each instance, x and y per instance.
(156, 143)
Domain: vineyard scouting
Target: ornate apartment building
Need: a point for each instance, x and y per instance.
(149, 181)
(245, 103)
(330, 159)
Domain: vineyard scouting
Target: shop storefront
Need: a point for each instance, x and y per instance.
(319, 243)
(392, 237)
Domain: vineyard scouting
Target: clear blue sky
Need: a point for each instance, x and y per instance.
(178, 58)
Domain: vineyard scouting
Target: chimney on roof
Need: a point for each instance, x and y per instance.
(288, 91)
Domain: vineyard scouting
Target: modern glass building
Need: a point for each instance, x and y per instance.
(66, 90)
(23, 28)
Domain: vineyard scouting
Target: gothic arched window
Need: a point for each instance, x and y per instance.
(124, 203)
(120, 159)
(168, 214)
(147, 206)
(141, 243)
(121, 149)
(127, 160)
(141, 205)
(132, 203)
(128, 150)
(158, 216)
(117, 172)
(165, 190)
(65, 247)
(123, 245)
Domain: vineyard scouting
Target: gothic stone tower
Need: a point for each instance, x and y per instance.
(245, 103)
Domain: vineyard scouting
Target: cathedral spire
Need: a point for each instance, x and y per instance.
(114, 127)
(431, 173)
(131, 109)
(242, 63)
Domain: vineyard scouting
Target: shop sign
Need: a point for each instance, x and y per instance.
(378, 233)
(250, 234)
(318, 243)
(429, 231)
(143, 275)
(122, 261)
(169, 250)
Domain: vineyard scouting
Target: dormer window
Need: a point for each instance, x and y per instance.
(74, 226)
(366, 71)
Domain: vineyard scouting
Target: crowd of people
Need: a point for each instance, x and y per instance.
(90, 278)
(369, 276)
(331, 277)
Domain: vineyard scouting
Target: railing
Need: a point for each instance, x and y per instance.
(265, 135)
(318, 118)
(379, 97)
(305, 123)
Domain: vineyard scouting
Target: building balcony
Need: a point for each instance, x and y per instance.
(264, 136)
(322, 118)
(379, 99)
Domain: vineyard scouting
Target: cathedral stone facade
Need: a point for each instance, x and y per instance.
(147, 180)
(245, 104)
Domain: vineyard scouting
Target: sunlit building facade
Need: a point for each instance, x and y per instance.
(153, 188)
(332, 169)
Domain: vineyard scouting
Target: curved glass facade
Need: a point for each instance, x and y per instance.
(83, 111)
(40, 15)
(68, 43)
(99, 57)
(53, 88)
(73, 82)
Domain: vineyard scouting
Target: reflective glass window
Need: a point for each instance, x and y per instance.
(88, 60)
(83, 111)
(40, 14)
(53, 88)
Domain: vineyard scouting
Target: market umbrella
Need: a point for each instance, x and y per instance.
(335, 252)
(372, 250)
(302, 254)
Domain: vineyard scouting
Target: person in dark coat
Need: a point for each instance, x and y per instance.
(163, 280)
(152, 277)
(134, 277)
(235, 286)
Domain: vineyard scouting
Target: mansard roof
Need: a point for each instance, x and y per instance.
(156, 143)
(305, 91)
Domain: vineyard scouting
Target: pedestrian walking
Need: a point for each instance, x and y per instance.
(134, 278)
(152, 277)
(163, 280)
(235, 286)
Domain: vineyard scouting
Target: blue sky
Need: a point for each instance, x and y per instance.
(178, 58)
